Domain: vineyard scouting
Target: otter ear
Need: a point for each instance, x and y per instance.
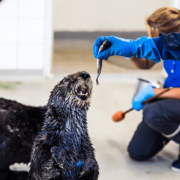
(56, 98)
(58, 93)
(50, 100)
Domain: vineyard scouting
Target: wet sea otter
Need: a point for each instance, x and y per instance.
(63, 150)
(19, 126)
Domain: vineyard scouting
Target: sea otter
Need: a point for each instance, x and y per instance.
(19, 126)
(62, 149)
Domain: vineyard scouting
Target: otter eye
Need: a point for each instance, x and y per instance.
(66, 80)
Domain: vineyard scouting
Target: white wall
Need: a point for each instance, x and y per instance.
(103, 15)
(175, 3)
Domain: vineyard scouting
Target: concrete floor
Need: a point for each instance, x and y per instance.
(114, 93)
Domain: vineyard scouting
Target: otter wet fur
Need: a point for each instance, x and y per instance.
(19, 126)
(62, 149)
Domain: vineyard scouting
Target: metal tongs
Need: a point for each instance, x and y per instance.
(99, 61)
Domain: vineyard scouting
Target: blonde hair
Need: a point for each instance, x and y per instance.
(166, 20)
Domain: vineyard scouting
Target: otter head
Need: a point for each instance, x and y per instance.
(73, 91)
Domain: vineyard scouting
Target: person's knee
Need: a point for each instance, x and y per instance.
(152, 115)
(138, 153)
(134, 154)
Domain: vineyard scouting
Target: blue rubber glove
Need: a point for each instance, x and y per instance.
(146, 93)
(143, 47)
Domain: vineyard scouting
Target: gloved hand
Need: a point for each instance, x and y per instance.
(143, 47)
(146, 93)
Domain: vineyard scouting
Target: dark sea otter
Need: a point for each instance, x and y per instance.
(62, 149)
(19, 126)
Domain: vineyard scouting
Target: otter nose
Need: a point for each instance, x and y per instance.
(84, 75)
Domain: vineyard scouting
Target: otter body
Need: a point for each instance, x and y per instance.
(63, 149)
(19, 125)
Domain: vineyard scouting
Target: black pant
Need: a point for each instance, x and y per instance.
(159, 117)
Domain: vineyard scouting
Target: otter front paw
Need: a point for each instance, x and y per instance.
(87, 168)
(58, 156)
